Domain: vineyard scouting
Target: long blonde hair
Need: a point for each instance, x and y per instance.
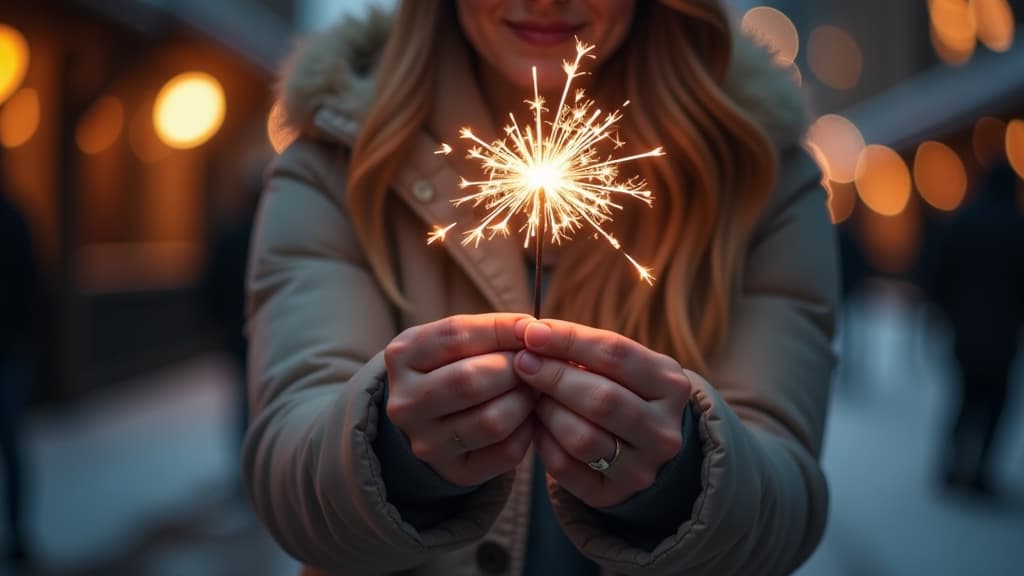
(719, 171)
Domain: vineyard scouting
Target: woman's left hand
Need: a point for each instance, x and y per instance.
(603, 396)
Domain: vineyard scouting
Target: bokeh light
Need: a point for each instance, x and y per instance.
(988, 140)
(995, 23)
(835, 57)
(19, 118)
(842, 199)
(1015, 145)
(280, 134)
(940, 176)
(100, 126)
(775, 30)
(883, 180)
(953, 30)
(14, 57)
(189, 110)
(837, 144)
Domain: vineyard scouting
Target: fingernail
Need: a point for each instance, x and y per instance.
(529, 363)
(520, 327)
(537, 334)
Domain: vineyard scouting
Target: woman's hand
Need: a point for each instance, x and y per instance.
(454, 393)
(599, 388)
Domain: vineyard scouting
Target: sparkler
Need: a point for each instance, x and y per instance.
(552, 172)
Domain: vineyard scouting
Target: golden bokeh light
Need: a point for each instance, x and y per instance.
(835, 57)
(837, 144)
(280, 134)
(14, 57)
(842, 199)
(100, 126)
(995, 23)
(773, 29)
(988, 140)
(940, 176)
(883, 180)
(1015, 145)
(189, 110)
(953, 30)
(19, 118)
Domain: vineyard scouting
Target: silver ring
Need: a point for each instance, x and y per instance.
(601, 464)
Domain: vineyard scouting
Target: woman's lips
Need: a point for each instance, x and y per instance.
(544, 33)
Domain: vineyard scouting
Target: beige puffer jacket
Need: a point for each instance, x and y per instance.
(318, 323)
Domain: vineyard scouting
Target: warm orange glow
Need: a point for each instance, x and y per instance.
(989, 140)
(100, 127)
(940, 176)
(14, 56)
(835, 57)
(953, 30)
(1015, 145)
(775, 30)
(842, 198)
(281, 135)
(995, 23)
(883, 180)
(189, 110)
(143, 140)
(837, 144)
(19, 118)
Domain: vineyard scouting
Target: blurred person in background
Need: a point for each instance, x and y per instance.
(17, 303)
(979, 283)
(403, 424)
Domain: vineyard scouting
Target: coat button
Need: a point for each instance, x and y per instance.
(492, 558)
(423, 191)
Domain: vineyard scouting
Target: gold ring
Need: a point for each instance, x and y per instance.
(458, 439)
(601, 464)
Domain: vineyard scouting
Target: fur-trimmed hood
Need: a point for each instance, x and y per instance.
(334, 69)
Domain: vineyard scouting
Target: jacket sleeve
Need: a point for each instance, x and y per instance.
(763, 499)
(317, 323)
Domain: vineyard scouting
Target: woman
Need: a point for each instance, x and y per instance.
(405, 407)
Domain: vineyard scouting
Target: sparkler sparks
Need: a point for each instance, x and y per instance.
(551, 171)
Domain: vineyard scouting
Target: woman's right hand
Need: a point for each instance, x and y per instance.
(454, 392)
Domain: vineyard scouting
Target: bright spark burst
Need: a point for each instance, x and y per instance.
(558, 176)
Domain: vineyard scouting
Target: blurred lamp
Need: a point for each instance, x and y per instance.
(1015, 145)
(19, 118)
(100, 126)
(995, 23)
(14, 55)
(835, 57)
(836, 144)
(189, 110)
(940, 176)
(773, 29)
(883, 180)
(953, 30)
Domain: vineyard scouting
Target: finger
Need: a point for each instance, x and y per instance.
(575, 435)
(491, 422)
(463, 384)
(429, 346)
(604, 403)
(569, 473)
(496, 459)
(651, 375)
(623, 479)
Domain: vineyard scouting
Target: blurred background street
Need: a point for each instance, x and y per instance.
(133, 138)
